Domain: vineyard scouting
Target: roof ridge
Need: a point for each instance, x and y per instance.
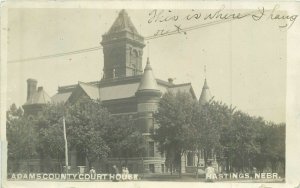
(177, 85)
(85, 83)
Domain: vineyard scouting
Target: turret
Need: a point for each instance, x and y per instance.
(205, 94)
(148, 96)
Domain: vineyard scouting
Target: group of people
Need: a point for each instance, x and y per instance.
(92, 171)
(125, 170)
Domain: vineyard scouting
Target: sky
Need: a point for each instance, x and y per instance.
(245, 59)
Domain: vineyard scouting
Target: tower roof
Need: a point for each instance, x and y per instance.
(122, 23)
(205, 94)
(148, 82)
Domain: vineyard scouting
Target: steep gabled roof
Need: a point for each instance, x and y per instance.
(122, 23)
(64, 95)
(61, 97)
(186, 87)
(91, 91)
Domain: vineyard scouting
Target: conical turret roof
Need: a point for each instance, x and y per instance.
(123, 22)
(205, 94)
(148, 82)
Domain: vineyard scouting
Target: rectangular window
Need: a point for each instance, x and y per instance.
(151, 168)
(190, 159)
(151, 149)
(162, 168)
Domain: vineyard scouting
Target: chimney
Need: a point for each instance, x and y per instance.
(31, 87)
(40, 89)
(170, 80)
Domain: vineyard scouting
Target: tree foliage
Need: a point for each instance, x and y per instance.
(124, 139)
(211, 119)
(21, 137)
(175, 118)
(50, 133)
(91, 131)
(85, 122)
(239, 141)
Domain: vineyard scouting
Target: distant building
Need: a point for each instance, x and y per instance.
(124, 89)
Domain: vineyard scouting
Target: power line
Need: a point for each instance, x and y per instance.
(177, 31)
(99, 47)
(57, 55)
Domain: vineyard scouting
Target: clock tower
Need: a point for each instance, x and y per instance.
(122, 49)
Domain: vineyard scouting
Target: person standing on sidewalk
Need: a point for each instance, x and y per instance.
(115, 172)
(210, 174)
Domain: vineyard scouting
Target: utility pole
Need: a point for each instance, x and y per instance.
(66, 145)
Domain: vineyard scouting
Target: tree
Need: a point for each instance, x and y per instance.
(14, 113)
(124, 139)
(51, 138)
(175, 118)
(85, 122)
(241, 140)
(212, 117)
(21, 137)
(272, 147)
(279, 147)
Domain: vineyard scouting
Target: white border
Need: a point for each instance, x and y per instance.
(292, 102)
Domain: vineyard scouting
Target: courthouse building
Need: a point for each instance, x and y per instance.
(124, 89)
